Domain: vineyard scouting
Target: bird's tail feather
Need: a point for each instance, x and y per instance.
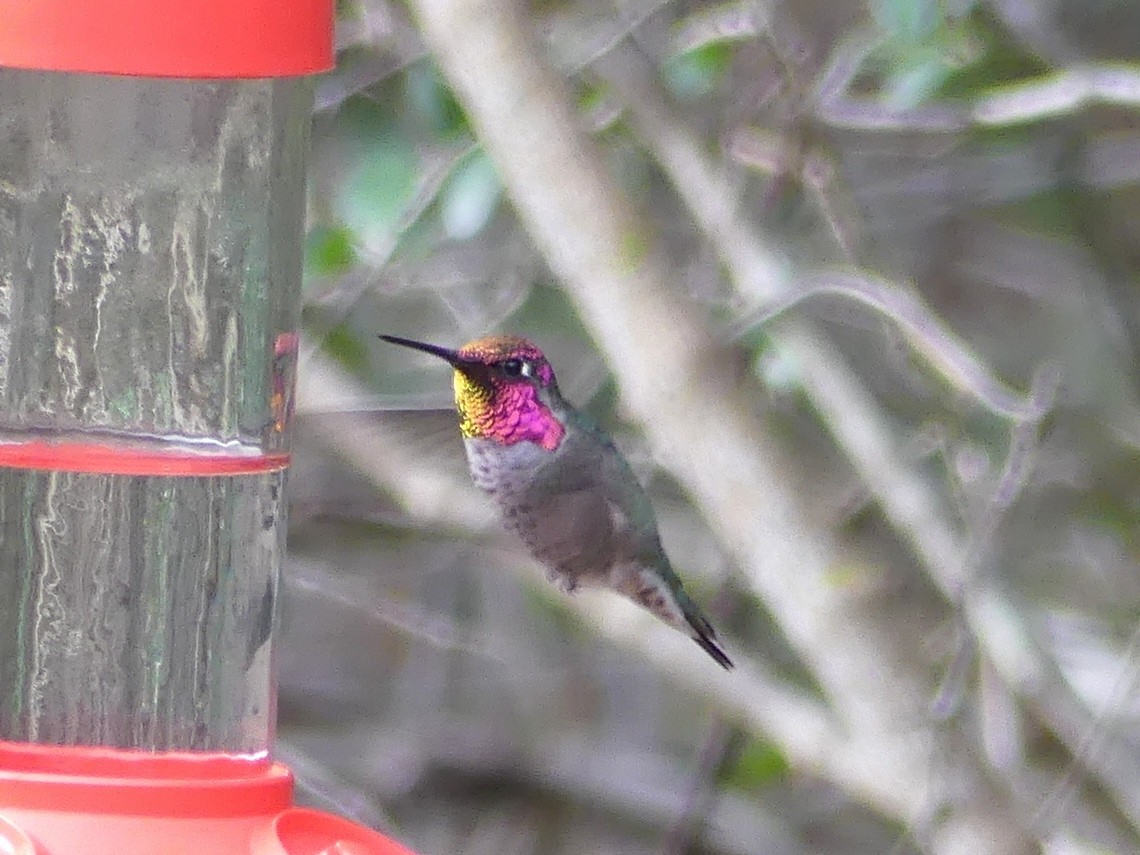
(660, 591)
(704, 635)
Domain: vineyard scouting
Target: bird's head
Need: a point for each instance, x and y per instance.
(503, 389)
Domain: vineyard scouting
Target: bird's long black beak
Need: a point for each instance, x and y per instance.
(444, 353)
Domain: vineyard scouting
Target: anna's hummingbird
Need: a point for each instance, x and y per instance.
(560, 482)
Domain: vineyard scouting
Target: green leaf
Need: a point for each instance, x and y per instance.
(378, 189)
(328, 251)
(913, 20)
(470, 198)
(918, 80)
(924, 52)
(759, 765)
(696, 72)
(996, 61)
(346, 348)
(429, 95)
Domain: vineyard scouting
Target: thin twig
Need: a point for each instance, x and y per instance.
(722, 745)
(952, 357)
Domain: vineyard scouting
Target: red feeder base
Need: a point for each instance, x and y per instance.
(57, 800)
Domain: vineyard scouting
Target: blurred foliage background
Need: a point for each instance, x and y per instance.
(854, 286)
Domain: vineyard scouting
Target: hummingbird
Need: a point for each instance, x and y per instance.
(560, 482)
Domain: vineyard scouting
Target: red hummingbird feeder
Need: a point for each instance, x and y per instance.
(152, 158)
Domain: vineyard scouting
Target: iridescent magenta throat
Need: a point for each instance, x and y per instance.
(513, 413)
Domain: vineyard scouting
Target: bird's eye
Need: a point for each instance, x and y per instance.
(514, 367)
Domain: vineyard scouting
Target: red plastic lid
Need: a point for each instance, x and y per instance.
(302, 831)
(59, 800)
(169, 38)
(107, 780)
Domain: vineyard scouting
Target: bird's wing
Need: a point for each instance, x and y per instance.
(597, 513)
